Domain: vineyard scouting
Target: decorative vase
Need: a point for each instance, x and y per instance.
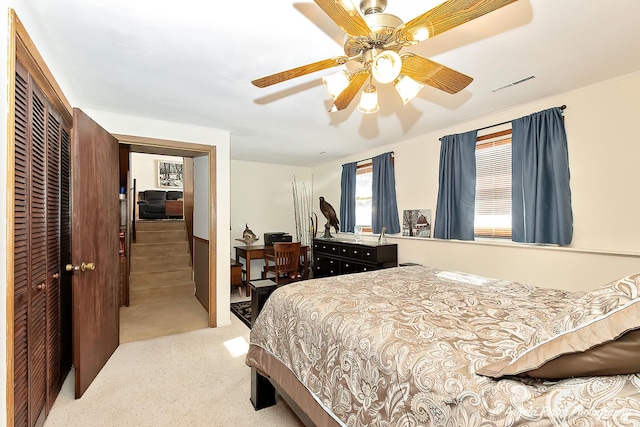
(357, 233)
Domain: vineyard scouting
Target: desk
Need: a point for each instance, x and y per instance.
(249, 252)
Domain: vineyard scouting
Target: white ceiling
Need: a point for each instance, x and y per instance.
(192, 61)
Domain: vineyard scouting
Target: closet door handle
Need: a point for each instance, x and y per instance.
(42, 286)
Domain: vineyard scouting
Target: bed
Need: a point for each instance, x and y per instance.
(418, 346)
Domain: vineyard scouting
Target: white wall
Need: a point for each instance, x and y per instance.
(603, 154)
(144, 169)
(262, 197)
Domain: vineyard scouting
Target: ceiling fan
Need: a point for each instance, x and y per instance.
(375, 39)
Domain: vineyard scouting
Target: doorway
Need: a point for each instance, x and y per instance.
(158, 292)
(204, 267)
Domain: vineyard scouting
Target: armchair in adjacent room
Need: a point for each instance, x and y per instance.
(151, 204)
(283, 263)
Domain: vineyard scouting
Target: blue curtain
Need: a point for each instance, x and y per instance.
(540, 180)
(383, 197)
(457, 191)
(348, 198)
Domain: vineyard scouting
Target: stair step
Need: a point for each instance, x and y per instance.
(159, 262)
(158, 249)
(161, 236)
(142, 279)
(160, 224)
(141, 295)
(162, 284)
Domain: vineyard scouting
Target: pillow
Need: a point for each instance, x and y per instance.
(597, 334)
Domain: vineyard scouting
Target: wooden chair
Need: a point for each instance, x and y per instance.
(304, 267)
(282, 262)
(236, 276)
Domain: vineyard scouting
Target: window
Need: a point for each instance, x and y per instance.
(493, 186)
(364, 192)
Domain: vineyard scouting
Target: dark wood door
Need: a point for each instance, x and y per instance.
(56, 135)
(95, 225)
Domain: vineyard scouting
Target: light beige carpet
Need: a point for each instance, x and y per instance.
(159, 317)
(188, 379)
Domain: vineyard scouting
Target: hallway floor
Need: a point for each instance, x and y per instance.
(161, 317)
(165, 316)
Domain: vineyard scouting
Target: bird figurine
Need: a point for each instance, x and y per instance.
(332, 219)
(382, 239)
(248, 236)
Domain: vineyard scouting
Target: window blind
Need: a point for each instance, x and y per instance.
(364, 177)
(493, 189)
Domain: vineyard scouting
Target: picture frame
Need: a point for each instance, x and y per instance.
(416, 223)
(169, 174)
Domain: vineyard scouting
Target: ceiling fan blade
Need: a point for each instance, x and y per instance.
(299, 71)
(344, 99)
(446, 16)
(344, 13)
(431, 73)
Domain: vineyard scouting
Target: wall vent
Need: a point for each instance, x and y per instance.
(517, 82)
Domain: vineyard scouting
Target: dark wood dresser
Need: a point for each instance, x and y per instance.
(335, 256)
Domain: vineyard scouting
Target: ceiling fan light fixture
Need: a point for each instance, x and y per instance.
(420, 35)
(369, 100)
(407, 88)
(386, 66)
(337, 82)
(347, 5)
(373, 38)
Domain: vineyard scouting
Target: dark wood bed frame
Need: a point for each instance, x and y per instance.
(263, 395)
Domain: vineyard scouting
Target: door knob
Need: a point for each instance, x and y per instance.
(56, 275)
(82, 267)
(41, 286)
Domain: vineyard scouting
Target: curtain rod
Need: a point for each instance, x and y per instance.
(562, 107)
(369, 158)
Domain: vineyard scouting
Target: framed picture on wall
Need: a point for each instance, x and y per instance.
(416, 223)
(169, 174)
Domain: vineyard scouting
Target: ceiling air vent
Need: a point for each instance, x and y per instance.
(517, 82)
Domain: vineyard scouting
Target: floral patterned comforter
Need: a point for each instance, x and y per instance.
(400, 347)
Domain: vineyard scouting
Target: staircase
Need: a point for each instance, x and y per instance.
(160, 263)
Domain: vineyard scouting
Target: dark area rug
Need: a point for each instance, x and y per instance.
(242, 310)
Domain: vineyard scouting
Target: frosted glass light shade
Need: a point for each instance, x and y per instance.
(336, 83)
(407, 88)
(421, 35)
(386, 66)
(369, 100)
